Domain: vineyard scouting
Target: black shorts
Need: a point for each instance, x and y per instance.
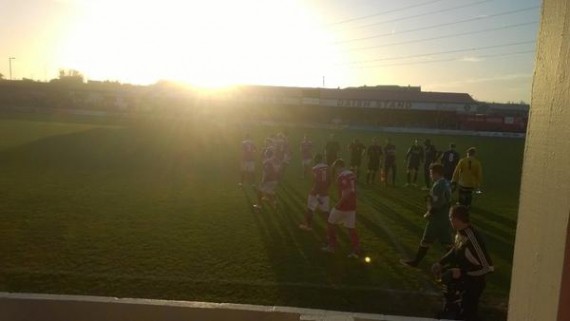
(356, 161)
(373, 164)
(413, 166)
(437, 229)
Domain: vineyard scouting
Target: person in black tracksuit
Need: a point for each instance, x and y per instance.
(468, 261)
(449, 160)
(390, 161)
(430, 156)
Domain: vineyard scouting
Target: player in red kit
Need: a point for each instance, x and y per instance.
(269, 180)
(319, 194)
(248, 150)
(344, 212)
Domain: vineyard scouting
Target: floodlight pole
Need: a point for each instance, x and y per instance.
(10, 65)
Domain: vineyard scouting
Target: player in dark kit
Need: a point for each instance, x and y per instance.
(468, 261)
(449, 160)
(437, 226)
(332, 148)
(414, 158)
(390, 161)
(356, 149)
(374, 153)
(430, 156)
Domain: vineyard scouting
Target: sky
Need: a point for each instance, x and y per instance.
(481, 47)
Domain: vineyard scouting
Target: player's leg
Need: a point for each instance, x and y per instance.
(468, 198)
(427, 178)
(415, 180)
(430, 234)
(465, 195)
(312, 203)
(350, 223)
(385, 169)
(259, 203)
(334, 218)
(473, 288)
(251, 173)
(272, 198)
(331, 238)
(369, 172)
(357, 166)
(272, 194)
(393, 168)
(308, 225)
(242, 173)
(372, 174)
(446, 236)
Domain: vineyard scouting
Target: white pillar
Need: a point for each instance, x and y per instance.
(542, 231)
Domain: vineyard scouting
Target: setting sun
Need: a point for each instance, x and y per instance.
(210, 43)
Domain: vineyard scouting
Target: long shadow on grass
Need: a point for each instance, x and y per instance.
(499, 246)
(501, 219)
(499, 240)
(93, 149)
(388, 212)
(410, 201)
(295, 255)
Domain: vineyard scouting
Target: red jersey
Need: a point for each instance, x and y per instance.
(321, 180)
(248, 150)
(347, 184)
(271, 170)
(307, 149)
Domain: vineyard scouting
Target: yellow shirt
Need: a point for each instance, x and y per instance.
(468, 172)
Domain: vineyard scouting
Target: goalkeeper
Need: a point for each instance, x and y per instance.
(437, 227)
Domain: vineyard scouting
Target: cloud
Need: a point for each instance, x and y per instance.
(460, 83)
(470, 59)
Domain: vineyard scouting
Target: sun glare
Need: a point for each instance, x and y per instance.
(205, 43)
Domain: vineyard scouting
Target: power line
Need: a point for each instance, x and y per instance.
(439, 53)
(445, 36)
(439, 25)
(384, 12)
(515, 53)
(424, 14)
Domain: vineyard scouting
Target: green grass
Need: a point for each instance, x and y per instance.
(150, 208)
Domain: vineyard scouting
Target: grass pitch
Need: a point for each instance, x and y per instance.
(151, 208)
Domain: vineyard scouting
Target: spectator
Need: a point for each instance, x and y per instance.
(390, 161)
(449, 160)
(468, 262)
(430, 156)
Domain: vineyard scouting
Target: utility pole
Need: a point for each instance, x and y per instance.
(10, 65)
(323, 81)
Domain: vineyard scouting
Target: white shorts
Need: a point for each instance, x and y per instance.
(346, 218)
(248, 166)
(318, 202)
(268, 187)
(306, 162)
